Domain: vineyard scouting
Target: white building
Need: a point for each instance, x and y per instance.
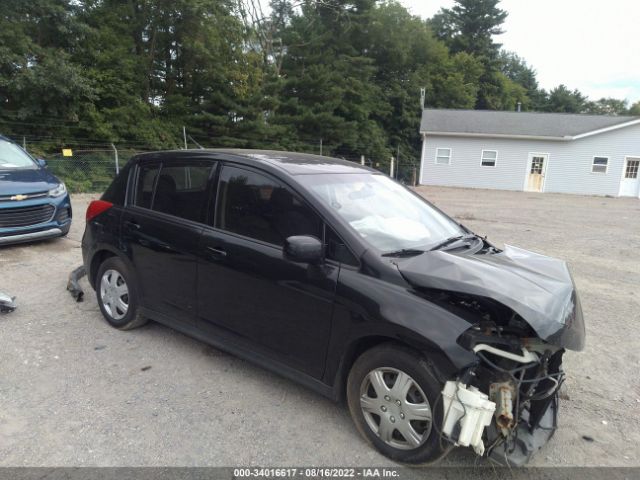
(537, 152)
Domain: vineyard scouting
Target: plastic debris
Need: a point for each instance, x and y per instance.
(7, 303)
(73, 286)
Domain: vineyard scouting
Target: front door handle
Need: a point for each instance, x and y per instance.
(217, 252)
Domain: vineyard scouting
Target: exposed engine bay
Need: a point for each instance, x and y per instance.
(506, 405)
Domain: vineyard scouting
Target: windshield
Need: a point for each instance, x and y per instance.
(12, 156)
(382, 212)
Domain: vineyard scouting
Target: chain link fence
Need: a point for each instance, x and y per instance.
(91, 169)
(88, 170)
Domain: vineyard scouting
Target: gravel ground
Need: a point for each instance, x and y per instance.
(75, 392)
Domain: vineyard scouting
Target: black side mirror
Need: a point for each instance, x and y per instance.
(303, 249)
(42, 162)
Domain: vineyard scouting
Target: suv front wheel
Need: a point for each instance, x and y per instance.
(117, 295)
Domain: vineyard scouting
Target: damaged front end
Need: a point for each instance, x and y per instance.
(505, 406)
(523, 311)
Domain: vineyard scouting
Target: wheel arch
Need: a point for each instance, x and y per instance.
(100, 255)
(358, 346)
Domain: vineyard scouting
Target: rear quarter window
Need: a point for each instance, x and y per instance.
(117, 191)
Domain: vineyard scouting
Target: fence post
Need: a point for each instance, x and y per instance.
(361, 159)
(320, 146)
(391, 168)
(115, 156)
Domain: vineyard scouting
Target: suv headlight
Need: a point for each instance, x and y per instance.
(58, 191)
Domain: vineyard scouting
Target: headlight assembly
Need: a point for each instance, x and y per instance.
(58, 191)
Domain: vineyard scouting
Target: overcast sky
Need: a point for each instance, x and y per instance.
(591, 45)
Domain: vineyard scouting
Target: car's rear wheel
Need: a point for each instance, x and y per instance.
(393, 398)
(117, 295)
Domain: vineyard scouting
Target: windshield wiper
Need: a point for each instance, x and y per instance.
(451, 240)
(405, 252)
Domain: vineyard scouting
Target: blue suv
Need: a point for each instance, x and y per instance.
(34, 204)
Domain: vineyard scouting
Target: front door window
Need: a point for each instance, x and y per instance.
(259, 207)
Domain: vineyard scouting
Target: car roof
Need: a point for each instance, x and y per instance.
(293, 163)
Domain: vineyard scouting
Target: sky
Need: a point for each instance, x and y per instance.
(591, 45)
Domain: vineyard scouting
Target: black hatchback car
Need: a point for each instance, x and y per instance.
(336, 276)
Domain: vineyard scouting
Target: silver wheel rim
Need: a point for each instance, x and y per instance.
(114, 294)
(395, 408)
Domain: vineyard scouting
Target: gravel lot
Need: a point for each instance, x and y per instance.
(75, 392)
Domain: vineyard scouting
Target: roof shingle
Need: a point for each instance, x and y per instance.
(486, 122)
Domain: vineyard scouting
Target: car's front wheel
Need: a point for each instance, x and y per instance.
(117, 295)
(393, 398)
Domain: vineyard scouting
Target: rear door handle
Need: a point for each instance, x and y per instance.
(132, 225)
(217, 252)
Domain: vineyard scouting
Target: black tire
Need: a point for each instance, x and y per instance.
(405, 360)
(131, 319)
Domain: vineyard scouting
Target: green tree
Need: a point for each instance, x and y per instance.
(470, 26)
(607, 106)
(344, 72)
(407, 57)
(38, 77)
(634, 109)
(563, 100)
(327, 88)
(516, 69)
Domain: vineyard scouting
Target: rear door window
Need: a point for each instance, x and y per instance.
(260, 207)
(181, 189)
(147, 175)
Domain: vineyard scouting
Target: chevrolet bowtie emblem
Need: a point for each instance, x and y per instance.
(19, 197)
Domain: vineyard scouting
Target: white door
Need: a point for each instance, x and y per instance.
(630, 183)
(536, 172)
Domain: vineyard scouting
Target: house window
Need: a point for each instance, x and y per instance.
(489, 158)
(443, 156)
(600, 165)
(632, 169)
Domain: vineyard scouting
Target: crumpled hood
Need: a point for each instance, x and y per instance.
(538, 288)
(23, 181)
